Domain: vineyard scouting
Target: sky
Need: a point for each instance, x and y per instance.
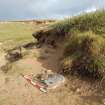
(46, 9)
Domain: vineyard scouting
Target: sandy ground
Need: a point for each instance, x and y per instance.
(15, 90)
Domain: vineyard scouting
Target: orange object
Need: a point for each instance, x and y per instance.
(35, 84)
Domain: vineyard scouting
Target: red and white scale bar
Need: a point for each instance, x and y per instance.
(35, 84)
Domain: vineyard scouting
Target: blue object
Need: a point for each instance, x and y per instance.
(54, 80)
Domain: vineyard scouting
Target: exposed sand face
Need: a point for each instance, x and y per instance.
(15, 90)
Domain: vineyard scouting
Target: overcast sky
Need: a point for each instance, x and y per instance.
(43, 9)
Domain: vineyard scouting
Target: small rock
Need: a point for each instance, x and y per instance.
(1, 43)
(103, 101)
(78, 90)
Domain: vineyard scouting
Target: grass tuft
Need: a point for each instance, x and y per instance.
(84, 54)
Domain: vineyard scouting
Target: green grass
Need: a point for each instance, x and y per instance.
(86, 22)
(16, 33)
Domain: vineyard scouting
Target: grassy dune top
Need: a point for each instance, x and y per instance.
(84, 22)
(84, 45)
